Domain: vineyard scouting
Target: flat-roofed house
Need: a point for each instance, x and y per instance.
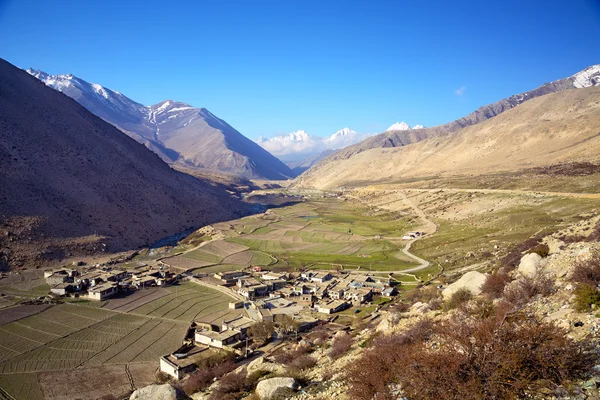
(321, 277)
(102, 291)
(217, 339)
(332, 306)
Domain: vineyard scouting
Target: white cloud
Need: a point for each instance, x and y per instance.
(460, 91)
(299, 145)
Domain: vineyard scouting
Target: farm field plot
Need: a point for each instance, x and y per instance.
(187, 302)
(136, 299)
(186, 263)
(222, 248)
(21, 386)
(18, 312)
(68, 385)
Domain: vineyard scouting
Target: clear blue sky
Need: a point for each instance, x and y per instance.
(272, 67)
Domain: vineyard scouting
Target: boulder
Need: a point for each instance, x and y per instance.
(529, 265)
(419, 308)
(264, 364)
(471, 281)
(155, 392)
(267, 388)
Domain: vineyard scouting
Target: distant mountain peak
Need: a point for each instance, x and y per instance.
(399, 126)
(419, 127)
(176, 131)
(341, 133)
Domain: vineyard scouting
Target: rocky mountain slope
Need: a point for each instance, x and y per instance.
(71, 183)
(177, 132)
(396, 137)
(555, 128)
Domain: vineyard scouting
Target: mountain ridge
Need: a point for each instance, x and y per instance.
(589, 76)
(73, 184)
(176, 131)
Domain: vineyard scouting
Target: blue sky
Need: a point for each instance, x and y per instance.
(273, 67)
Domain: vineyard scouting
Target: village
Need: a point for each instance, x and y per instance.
(307, 298)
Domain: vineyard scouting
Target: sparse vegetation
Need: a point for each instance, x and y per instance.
(586, 297)
(501, 357)
(340, 345)
(457, 299)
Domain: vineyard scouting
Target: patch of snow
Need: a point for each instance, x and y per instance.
(588, 77)
(100, 90)
(179, 109)
(163, 107)
(418, 127)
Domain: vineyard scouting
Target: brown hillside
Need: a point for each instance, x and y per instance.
(551, 129)
(71, 183)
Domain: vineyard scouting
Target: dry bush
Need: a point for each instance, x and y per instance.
(458, 298)
(303, 362)
(232, 386)
(494, 358)
(512, 259)
(205, 375)
(424, 294)
(541, 249)
(521, 291)
(495, 283)
(588, 271)
(287, 357)
(340, 345)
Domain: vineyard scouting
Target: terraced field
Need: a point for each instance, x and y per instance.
(69, 336)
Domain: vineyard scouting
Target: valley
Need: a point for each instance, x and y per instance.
(357, 231)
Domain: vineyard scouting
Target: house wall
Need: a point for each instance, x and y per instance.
(167, 368)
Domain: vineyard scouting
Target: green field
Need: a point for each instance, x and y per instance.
(328, 232)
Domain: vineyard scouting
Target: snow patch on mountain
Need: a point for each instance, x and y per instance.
(588, 77)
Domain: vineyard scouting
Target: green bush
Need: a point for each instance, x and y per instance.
(585, 296)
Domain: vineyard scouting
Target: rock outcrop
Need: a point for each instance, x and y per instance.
(529, 265)
(471, 281)
(267, 388)
(155, 392)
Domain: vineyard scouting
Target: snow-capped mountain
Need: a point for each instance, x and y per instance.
(177, 132)
(299, 145)
(403, 126)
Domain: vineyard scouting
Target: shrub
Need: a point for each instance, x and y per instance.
(495, 283)
(204, 376)
(520, 291)
(340, 345)
(541, 249)
(586, 296)
(588, 271)
(491, 358)
(424, 294)
(302, 363)
(458, 298)
(232, 386)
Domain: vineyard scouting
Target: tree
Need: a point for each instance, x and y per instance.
(261, 332)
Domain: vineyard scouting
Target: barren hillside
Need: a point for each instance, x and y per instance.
(71, 183)
(555, 128)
